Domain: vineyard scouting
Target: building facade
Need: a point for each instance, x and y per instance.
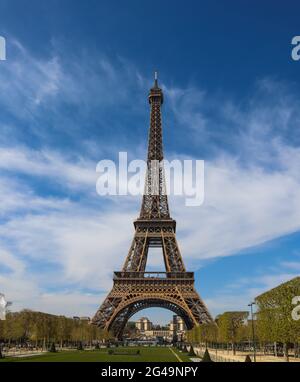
(143, 324)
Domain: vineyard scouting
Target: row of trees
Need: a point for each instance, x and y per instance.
(40, 329)
(276, 323)
(229, 328)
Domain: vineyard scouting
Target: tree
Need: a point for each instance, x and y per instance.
(63, 329)
(206, 356)
(13, 329)
(208, 332)
(1, 329)
(274, 317)
(192, 352)
(230, 324)
(203, 333)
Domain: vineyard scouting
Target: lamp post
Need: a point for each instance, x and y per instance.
(253, 334)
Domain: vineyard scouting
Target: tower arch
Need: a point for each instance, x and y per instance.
(122, 316)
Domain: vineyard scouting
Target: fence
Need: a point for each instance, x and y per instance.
(215, 357)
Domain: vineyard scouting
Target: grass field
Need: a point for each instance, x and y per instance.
(147, 354)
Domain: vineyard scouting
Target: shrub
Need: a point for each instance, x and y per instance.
(52, 348)
(206, 357)
(192, 352)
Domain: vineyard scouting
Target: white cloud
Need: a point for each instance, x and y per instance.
(244, 206)
(26, 82)
(27, 293)
(237, 296)
(187, 107)
(86, 246)
(78, 173)
(11, 262)
(293, 265)
(71, 304)
(18, 197)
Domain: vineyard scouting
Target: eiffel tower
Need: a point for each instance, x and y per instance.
(133, 288)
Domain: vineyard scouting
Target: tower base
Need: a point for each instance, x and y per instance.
(134, 291)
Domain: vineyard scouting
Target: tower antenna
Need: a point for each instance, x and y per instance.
(155, 78)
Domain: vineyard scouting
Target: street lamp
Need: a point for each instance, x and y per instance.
(253, 334)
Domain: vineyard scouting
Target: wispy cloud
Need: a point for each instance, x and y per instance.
(237, 295)
(76, 172)
(244, 207)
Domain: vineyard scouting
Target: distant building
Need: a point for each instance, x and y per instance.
(177, 324)
(158, 333)
(83, 318)
(147, 330)
(143, 324)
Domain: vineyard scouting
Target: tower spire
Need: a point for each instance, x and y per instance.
(156, 79)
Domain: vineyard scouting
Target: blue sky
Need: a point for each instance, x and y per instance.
(74, 91)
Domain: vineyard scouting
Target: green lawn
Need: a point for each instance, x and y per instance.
(147, 354)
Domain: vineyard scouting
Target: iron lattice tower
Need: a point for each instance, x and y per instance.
(134, 289)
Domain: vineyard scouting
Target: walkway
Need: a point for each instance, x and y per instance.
(225, 356)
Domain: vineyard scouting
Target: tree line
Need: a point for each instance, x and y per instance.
(39, 329)
(229, 328)
(276, 328)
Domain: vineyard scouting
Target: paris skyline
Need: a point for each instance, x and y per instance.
(72, 96)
